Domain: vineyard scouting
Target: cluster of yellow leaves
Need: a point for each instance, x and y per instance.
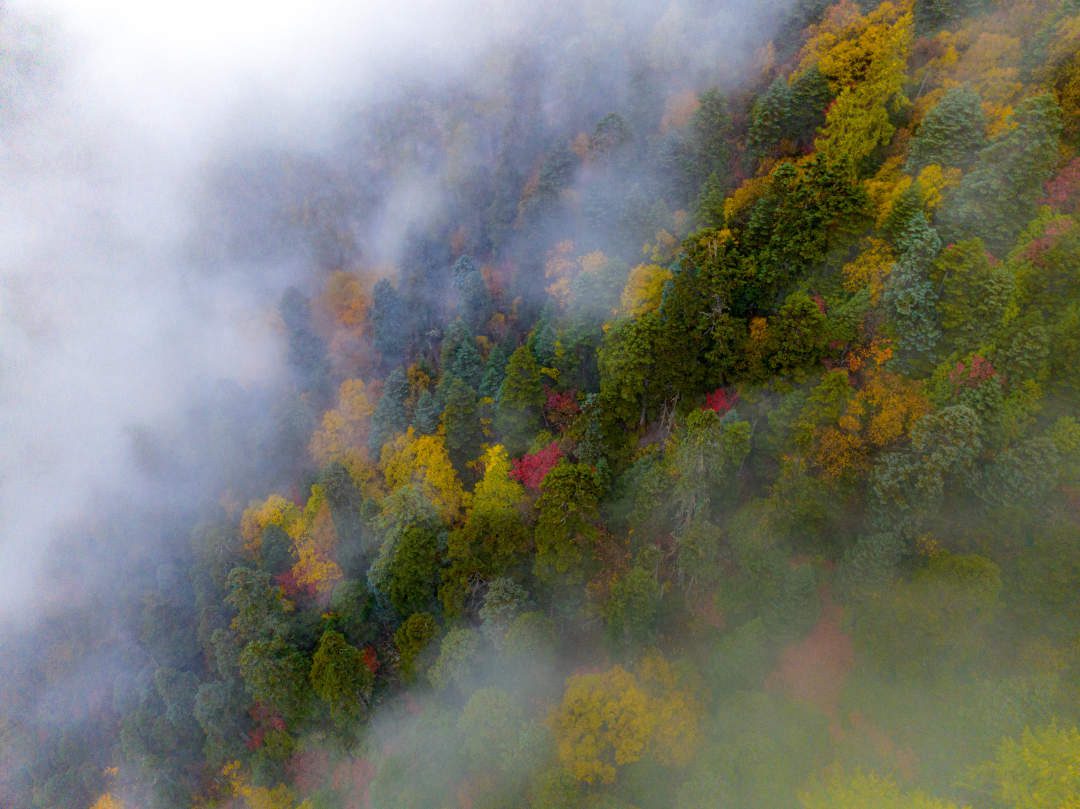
(603, 722)
(280, 797)
(315, 566)
(275, 510)
(743, 198)
(890, 182)
(864, 58)
(879, 414)
(311, 531)
(885, 187)
(342, 311)
(990, 64)
(933, 181)
(1064, 55)
(609, 719)
(107, 801)
(424, 461)
(870, 269)
(873, 354)
(497, 491)
(676, 736)
(665, 244)
(560, 268)
(643, 289)
(862, 790)
(343, 434)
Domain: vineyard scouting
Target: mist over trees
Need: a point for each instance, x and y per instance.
(673, 405)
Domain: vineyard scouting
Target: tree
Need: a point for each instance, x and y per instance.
(797, 335)
(391, 415)
(343, 435)
(339, 676)
(307, 351)
(494, 538)
(423, 461)
(861, 791)
(275, 674)
(632, 607)
(520, 399)
(704, 458)
(457, 662)
(998, 196)
(974, 294)
(951, 134)
(461, 424)
(769, 119)
(460, 357)
(390, 321)
(866, 63)
(474, 300)
(1036, 771)
(910, 298)
(568, 522)
(411, 638)
(603, 722)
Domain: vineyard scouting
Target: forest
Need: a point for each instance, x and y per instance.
(712, 442)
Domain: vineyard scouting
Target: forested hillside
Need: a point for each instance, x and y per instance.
(712, 441)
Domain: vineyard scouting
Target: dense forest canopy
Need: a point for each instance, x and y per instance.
(666, 406)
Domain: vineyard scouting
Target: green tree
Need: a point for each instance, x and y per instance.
(568, 522)
(340, 678)
(521, 397)
(275, 674)
(998, 196)
(391, 414)
(411, 639)
(461, 422)
(474, 299)
(951, 134)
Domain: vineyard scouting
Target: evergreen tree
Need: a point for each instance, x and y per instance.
(997, 198)
(391, 415)
(952, 133)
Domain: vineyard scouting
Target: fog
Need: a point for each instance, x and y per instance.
(152, 159)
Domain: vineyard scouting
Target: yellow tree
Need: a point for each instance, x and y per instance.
(315, 546)
(864, 58)
(279, 797)
(643, 289)
(603, 722)
(423, 460)
(676, 710)
(343, 434)
(275, 510)
(342, 309)
(863, 791)
(870, 268)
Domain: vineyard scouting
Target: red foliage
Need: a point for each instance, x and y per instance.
(1063, 191)
(971, 376)
(820, 301)
(531, 470)
(721, 400)
(561, 408)
(371, 660)
(293, 589)
(1053, 231)
(265, 720)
